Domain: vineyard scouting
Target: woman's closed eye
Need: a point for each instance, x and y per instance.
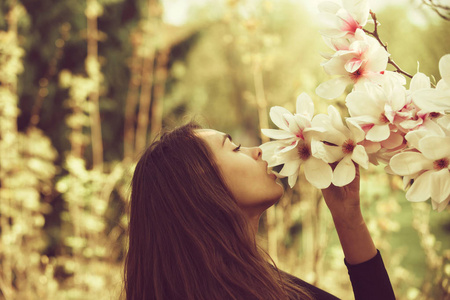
(237, 148)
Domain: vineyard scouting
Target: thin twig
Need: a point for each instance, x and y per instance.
(436, 6)
(437, 9)
(374, 33)
(377, 37)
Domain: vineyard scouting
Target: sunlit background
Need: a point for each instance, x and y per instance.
(86, 85)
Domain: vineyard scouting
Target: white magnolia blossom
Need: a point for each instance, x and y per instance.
(374, 109)
(335, 142)
(407, 129)
(293, 147)
(427, 164)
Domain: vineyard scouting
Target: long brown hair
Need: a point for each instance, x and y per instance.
(188, 239)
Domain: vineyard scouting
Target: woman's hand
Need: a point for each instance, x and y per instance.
(343, 202)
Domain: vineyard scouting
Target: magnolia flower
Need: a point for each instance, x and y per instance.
(430, 170)
(374, 108)
(438, 99)
(293, 146)
(428, 166)
(365, 60)
(333, 142)
(342, 21)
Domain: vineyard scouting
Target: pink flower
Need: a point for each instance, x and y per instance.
(364, 61)
(342, 21)
(293, 145)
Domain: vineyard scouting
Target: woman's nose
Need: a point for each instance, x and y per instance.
(257, 153)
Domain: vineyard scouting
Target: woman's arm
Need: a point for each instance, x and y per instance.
(368, 275)
(344, 205)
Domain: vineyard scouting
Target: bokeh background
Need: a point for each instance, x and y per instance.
(86, 85)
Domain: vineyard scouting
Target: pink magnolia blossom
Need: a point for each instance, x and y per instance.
(365, 60)
(339, 21)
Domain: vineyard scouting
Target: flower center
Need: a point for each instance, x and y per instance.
(383, 119)
(356, 75)
(348, 146)
(440, 164)
(303, 151)
(434, 115)
(350, 25)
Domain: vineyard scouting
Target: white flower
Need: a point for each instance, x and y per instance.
(428, 166)
(333, 141)
(438, 99)
(367, 107)
(364, 61)
(293, 146)
(342, 21)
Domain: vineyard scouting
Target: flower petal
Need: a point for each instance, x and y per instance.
(394, 140)
(295, 127)
(318, 173)
(360, 156)
(419, 81)
(378, 133)
(344, 173)
(329, 154)
(277, 116)
(444, 68)
(292, 179)
(360, 103)
(441, 185)
(305, 105)
(378, 59)
(356, 131)
(435, 147)
(277, 134)
(359, 9)
(336, 120)
(268, 151)
(289, 147)
(371, 147)
(431, 100)
(421, 188)
(290, 168)
(440, 206)
(332, 88)
(329, 7)
(353, 65)
(409, 163)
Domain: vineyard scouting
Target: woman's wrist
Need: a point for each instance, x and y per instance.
(354, 236)
(347, 215)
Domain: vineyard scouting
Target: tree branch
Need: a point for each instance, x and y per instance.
(374, 33)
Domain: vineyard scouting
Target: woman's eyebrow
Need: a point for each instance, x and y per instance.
(225, 137)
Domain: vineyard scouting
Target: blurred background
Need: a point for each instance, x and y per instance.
(86, 85)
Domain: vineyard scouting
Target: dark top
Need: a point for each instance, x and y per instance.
(369, 279)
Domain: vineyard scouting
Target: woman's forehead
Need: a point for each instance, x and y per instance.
(213, 137)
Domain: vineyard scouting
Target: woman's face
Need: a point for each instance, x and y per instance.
(245, 173)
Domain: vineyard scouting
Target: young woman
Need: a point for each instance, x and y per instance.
(196, 201)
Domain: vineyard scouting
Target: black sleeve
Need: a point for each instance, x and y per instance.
(370, 280)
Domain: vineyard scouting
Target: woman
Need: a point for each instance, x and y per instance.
(196, 201)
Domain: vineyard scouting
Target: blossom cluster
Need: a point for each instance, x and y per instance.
(408, 129)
